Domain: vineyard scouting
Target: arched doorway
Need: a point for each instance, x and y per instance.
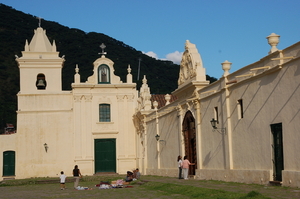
(189, 134)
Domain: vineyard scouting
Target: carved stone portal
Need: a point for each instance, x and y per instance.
(189, 134)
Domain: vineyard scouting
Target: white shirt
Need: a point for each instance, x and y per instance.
(63, 178)
(179, 163)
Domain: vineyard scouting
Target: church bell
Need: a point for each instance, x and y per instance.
(41, 83)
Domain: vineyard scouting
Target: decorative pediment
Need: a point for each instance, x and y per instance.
(103, 72)
(191, 66)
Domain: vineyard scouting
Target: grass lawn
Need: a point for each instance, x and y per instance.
(147, 187)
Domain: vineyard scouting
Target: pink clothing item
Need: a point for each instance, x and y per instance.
(185, 164)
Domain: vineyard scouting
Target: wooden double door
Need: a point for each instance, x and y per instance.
(105, 155)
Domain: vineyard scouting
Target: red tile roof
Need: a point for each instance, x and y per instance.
(160, 98)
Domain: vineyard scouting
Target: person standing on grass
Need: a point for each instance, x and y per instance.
(185, 167)
(62, 180)
(76, 174)
(179, 160)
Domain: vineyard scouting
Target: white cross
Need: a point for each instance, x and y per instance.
(39, 18)
(102, 46)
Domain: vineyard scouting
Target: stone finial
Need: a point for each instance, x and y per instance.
(129, 69)
(167, 98)
(144, 80)
(26, 48)
(76, 69)
(155, 105)
(77, 75)
(273, 40)
(129, 76)
(53, 46)
(226, 65)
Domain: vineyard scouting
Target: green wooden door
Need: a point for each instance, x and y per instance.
(277, 151)
(8, 163)
(105, 155)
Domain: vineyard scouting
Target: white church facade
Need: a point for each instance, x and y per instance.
(242, 128)
(59, 129)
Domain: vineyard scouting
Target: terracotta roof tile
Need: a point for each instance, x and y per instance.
(160, 98)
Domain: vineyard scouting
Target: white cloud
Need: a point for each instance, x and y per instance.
(151, 54)
(175, 57)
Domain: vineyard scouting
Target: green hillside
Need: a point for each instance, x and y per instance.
(80, 48)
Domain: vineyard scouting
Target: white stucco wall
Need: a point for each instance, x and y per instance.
(270, 97)
(53, 126)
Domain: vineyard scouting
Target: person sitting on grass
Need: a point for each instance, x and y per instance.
(136, 174)
(129, 177)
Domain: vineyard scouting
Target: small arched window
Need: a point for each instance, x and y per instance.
(41, 83)
(103, 74)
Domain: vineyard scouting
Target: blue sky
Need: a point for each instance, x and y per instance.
(233, 30)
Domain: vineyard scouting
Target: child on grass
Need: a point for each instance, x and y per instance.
(62, 180)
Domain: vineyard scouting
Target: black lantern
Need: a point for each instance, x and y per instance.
(213, 123)
(46, 147)
(157, 137)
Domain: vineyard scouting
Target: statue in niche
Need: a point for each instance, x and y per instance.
(103, 75)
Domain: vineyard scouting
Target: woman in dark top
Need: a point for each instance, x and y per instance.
(76, 174)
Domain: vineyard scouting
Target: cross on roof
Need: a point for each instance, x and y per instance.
(39, 18)
(102, 46)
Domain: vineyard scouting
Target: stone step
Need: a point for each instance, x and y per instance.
(275, 183)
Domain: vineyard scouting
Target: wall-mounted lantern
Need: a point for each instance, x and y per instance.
(214, 122)
(46, 147)
(157, 137)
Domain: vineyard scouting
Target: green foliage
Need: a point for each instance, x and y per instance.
(253, 194)
(79, 48)
(20, 182)
(197, 192)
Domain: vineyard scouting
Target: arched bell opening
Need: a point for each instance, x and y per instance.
(41, 83)
(189, 134)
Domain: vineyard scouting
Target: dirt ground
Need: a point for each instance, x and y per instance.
(53, 191)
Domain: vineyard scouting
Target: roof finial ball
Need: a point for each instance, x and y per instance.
(226, 65)
(273, 40)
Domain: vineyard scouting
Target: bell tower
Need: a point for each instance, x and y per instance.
(40, 65)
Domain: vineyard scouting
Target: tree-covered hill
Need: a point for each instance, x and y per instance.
(79, 48)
